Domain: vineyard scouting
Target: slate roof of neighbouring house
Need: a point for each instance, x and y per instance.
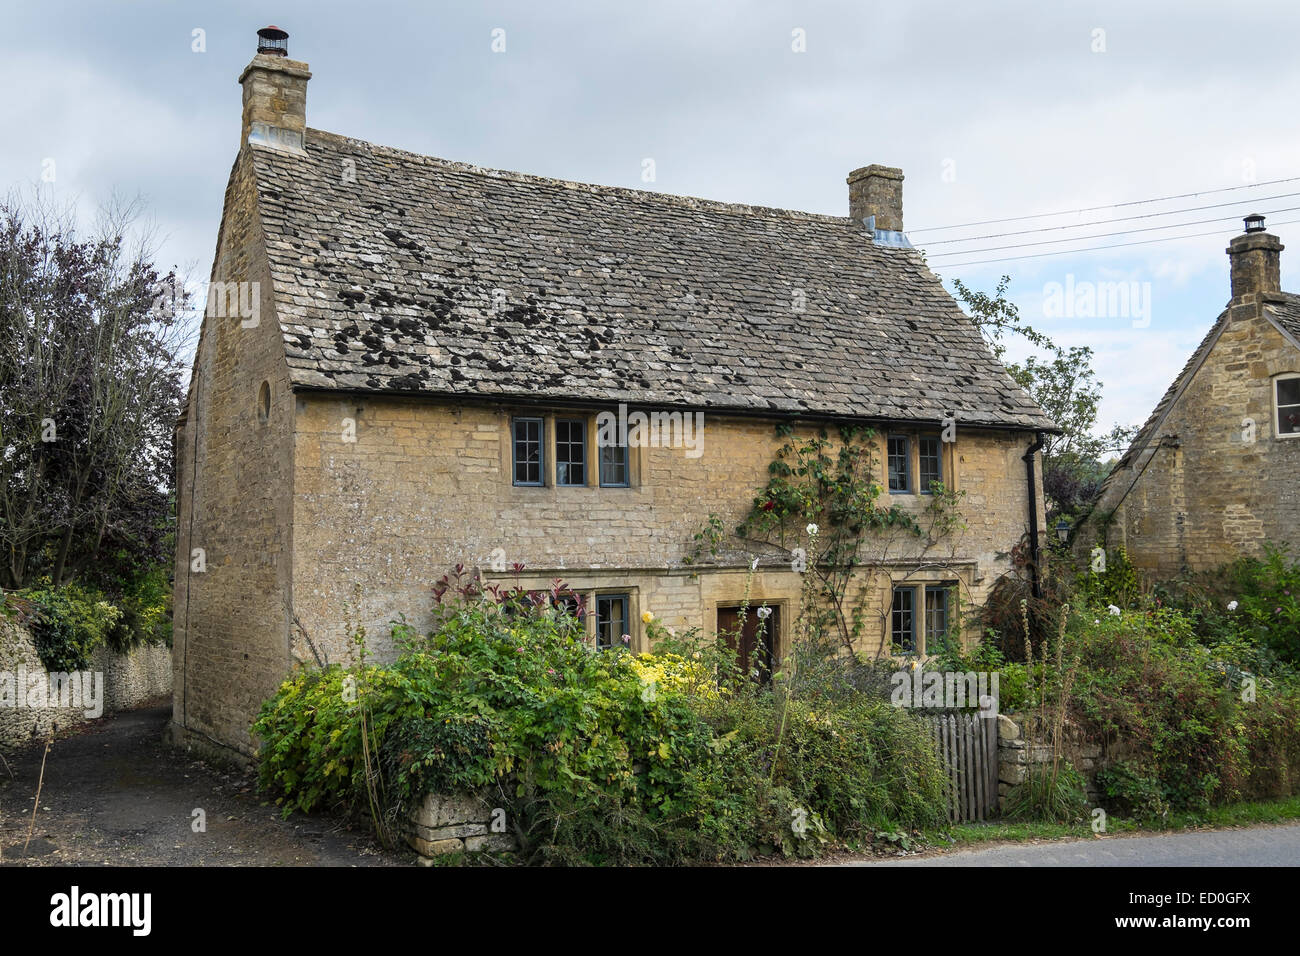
(440, 278)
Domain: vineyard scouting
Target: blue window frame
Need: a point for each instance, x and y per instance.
(614, 467)
(612, 613)
(902, 632)
(529, 451)
(571, 452)
(930, 455)
(900, 465)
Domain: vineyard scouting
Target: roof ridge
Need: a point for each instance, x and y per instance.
(716, 205)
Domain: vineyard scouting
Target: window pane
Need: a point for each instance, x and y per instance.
(1288, 391)
(528, 451)
(613, 465)
(570, 452)
(931, 467)
(611, 620)
(903, 631)
(1288, 405)
(899, 472)
(936, 620)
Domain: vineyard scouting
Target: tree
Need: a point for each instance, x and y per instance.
(1066, 388)
(90, 389)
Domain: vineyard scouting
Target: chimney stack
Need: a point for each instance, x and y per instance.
(1255, 259)
(275, 94)
(877, 191)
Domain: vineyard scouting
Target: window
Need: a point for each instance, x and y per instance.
(613, 466)
(264, 403)
(936, 618)
(570, 451)
(1287, 396)
(611, 620)
(528, 450)
(930, 452)
(900, 472)
(903, 629)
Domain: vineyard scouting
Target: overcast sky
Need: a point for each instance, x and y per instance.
(993, 110)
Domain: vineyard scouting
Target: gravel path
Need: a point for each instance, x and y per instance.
(113, 794)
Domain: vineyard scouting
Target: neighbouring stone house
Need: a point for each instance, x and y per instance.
(407, 359)
(1213, 473)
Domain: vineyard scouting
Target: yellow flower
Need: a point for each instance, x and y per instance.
(646, 617)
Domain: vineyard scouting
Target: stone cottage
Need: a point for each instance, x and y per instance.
(406, 364)
(1213, 473)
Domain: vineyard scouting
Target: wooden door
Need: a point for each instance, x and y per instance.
(754, 643)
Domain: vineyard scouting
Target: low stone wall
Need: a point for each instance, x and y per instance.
(144, 673)
(1022, 744)
(450, 824)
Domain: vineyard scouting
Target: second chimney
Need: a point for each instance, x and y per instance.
(877, 191)
(275, 95)
(1255, 258)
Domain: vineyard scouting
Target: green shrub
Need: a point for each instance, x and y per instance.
(597, 756)
(1200, 740)
(70, 622)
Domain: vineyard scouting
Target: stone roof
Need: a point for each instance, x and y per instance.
(439, 278)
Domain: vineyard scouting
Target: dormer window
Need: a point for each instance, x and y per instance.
(1286, 402)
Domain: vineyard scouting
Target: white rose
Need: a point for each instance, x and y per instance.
(812, 529)
(1232, 605)
(1113, 610)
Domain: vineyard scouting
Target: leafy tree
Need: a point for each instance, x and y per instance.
(90, 389)
(1065, 386)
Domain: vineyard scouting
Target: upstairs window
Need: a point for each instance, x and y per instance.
(900, 471)
(1286, 395)
(930, 455)
(570, 452)
(613, 466)
(528, 458)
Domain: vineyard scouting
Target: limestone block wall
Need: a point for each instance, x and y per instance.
(1024, 744)
(234, 485)
(454, 823)
(142, 674)
(391, 493)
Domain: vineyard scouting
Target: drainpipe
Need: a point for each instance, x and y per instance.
(1036, 585)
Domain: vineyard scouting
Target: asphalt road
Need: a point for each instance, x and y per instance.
(1255, 846)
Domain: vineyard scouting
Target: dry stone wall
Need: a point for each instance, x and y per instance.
(142, 674)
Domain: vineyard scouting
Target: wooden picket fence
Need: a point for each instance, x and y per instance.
(968, 748)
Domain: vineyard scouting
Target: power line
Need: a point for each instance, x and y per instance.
(1107, 222)
(1101, 235)
(1118, 205)
(1114, 245)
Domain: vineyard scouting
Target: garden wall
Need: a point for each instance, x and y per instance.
(457, 824)
(144, 673)
(1022, 743)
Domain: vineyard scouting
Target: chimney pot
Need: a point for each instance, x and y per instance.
(272, 41)
(877, 191)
